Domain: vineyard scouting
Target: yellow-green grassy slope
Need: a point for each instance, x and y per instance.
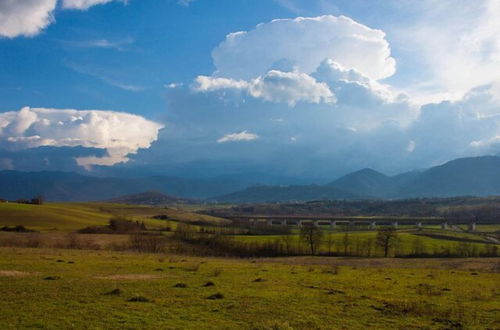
(289, 295)
(74, 216)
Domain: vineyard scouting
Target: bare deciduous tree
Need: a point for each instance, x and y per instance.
(386, 239)
(312, 235)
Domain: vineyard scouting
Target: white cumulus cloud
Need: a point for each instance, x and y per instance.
(29, 17)
(120, 134)
(302, 44)
(25, 17)
(274, 86)
(242, 136)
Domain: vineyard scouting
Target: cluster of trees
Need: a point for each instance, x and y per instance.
(484, 210)
(117, 225)
(315, 241)
(417, 207)
(386, 240)
(483, 213)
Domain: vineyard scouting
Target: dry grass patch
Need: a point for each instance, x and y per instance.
(129, 277)
(14, 273)
(487, 265)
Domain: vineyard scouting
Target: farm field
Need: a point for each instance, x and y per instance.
(75, 216)
(60, 289)
(55, 221)
(430, 241)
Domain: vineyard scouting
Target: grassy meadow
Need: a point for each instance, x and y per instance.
(74, 216)
(61, 289)
(59, 279)
(432, 240)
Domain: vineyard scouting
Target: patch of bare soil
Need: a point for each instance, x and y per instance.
(125, 277)
(13, 273)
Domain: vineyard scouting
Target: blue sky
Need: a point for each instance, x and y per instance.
(393, 85)
(151, 43)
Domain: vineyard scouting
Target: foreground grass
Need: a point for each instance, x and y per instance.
(60, 289)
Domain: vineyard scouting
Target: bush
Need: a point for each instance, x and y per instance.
(117, 225)
(180, 285)
(17, 229)
(115, 292)
(139, 299)
(216, 296)
(147, 243)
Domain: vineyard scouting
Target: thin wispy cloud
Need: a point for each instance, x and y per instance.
(185, 2)
(86, 4)
(120, 44)
(234, 137)
(104, 76)
(289, 5)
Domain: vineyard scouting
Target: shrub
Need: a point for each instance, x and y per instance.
(115, 292)
(180, 285)
(147, 243)
(139, 299)
(51, 278)
(216, 296)
(117, 225)
(17, 229)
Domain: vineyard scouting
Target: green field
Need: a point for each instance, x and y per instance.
(64, 282)
(285, 293)
(432, 240)
(58, 218)
(74, 216)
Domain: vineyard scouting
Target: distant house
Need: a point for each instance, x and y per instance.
(37, 200)
(34, 201)
(3, 200)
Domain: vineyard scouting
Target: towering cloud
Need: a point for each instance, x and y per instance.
(302, 44)
(120, 134)
(311, 90)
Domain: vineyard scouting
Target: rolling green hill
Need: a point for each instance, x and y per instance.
(74, 216)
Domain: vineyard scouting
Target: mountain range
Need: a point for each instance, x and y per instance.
(70, 186)
(476, 176)
(150, 198)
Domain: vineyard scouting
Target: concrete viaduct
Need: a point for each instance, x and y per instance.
(333, 222)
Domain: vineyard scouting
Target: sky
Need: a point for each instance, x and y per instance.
(299, 88)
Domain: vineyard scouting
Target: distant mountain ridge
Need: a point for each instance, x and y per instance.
(367, 182)
(149, 198)
(475, 176)
(260, 194)
(70, 186)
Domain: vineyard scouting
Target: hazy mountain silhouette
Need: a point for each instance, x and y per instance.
(479, 176)
(149, 198)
